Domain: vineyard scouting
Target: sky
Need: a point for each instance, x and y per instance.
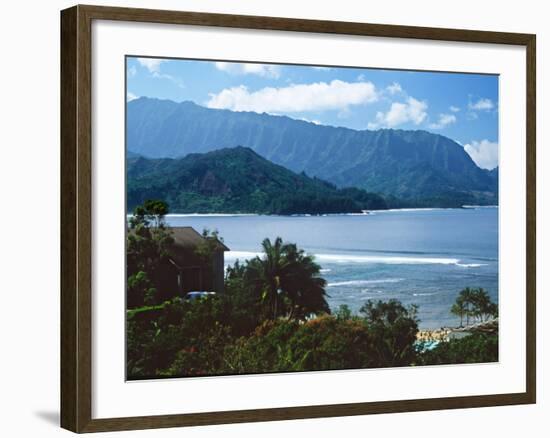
(461, 106)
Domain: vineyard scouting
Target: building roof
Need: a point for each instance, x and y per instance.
(189, 238)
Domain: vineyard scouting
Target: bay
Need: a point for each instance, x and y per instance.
(423, 256)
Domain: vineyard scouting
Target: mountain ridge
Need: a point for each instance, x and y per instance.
(238, 180)
(417, 166)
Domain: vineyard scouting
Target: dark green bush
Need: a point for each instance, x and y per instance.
(475, 348)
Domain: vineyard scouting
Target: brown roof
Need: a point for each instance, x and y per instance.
(188, 237)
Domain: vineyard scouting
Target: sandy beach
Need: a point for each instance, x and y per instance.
(445, 333)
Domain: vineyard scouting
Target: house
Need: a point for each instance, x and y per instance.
(192, 272)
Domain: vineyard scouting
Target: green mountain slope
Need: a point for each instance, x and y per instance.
(237, 180)
(418, 167)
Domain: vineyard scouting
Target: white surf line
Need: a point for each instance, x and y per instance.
(397, 210)
(391, 260)
(175, 215)
(345, 258)
(364, 282)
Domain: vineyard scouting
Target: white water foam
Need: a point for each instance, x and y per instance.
(397, 210)
(347, 258)
(391, 260)
(363, 282)
(241, 255)
(479, 206)
(209, 215)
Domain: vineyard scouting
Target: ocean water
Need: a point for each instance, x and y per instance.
(423, 257)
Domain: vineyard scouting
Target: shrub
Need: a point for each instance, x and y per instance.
(475, 348)
(393, 328)
(328, 343)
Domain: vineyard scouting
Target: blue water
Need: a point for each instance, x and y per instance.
(422, 257)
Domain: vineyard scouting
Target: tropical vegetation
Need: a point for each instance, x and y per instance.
(418, 168)
(272, 317)
(238, 180)
(474, 304)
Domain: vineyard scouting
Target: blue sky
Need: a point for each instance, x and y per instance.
(463, 107)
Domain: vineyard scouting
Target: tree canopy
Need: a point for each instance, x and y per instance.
(287, 281)
(474, 304)
(147, 252)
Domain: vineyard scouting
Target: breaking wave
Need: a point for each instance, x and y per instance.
(391, 260)
(364, 282)
(349, 258)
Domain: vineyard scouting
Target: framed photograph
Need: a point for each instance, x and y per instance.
(268, 218)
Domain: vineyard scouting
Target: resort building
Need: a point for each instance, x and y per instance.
(192, 272)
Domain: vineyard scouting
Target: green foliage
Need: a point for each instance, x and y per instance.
(208, 245)
(394, 328)
(367, 200)
(204, 358)
(151, 213)
(154, 338)
(483, 307)
(140, 290)
(273, 316)
(222, 335)
(237, 180)
(474, 303)
(264, 350)
(421, 168)
(328, 343)
(323, 343)
(243, 301)
(287, 281)
(147, 253)
(475, 348)
(145, 312)
(343, 313)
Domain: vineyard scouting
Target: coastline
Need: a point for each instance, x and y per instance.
(444, 334)
(355, 258)
(364, 213)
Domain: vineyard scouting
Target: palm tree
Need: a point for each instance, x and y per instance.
(287, 281)
(466, 297)
(459, 309)
(302, 286)
(265, 274)
(474, 303)
(484, 307)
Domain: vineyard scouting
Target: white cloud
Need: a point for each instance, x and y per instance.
(151, 64)
(171, 78)
(321, 68)
(132, 71)
(412, 111)
(483, 104)
(243, 68)
(484, 153)
(454, 109)
(394, 88)
(315, 122)
(130, 96)
(444, 120)
(344, 113)
(319, 96)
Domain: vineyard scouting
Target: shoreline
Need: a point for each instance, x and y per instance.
(364, 213)
(445, 334)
